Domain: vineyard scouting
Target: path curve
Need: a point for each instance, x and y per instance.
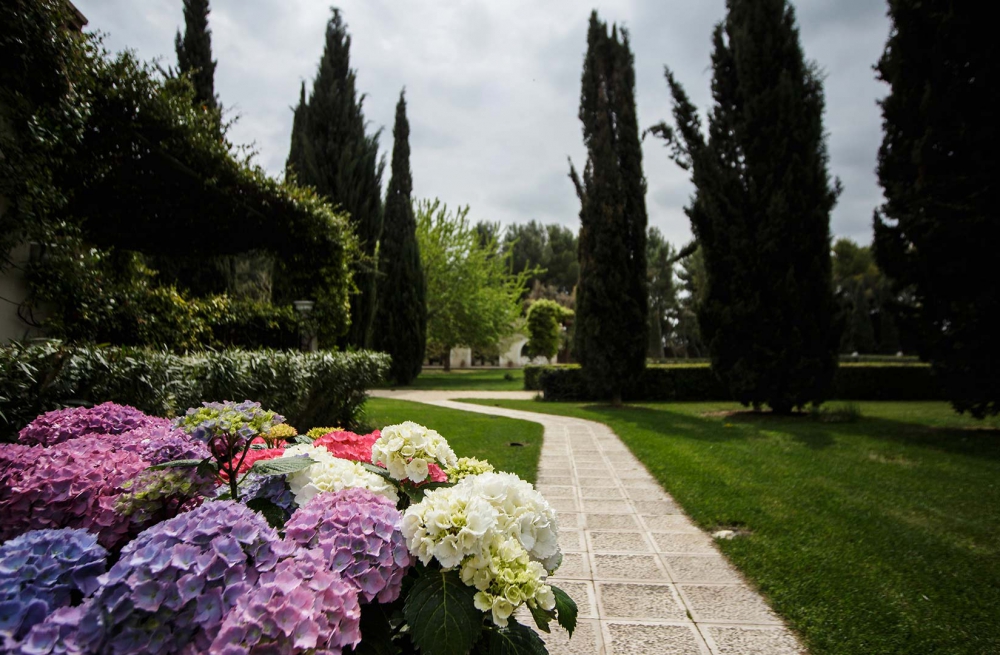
(646, 579)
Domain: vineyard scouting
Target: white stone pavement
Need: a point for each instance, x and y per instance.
(645, 578)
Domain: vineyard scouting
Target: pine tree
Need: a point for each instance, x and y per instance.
(761, 210)
(611, 300)
(936, 235)
(401, 318)
(331, 152)
(194, 51)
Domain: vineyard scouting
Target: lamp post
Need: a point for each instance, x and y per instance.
(307, 341)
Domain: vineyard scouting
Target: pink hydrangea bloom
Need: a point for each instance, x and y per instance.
(74, 484)
(359, 534)
(74, 422)
(14, 458)
(300, 606)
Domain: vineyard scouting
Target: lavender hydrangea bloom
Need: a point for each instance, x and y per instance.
(74, 484)
(42, 571)
(161, 443)
(269, 487)
(176, 581)
(359, 534)
(74, 422)
(56, 635)
(299, 606)
(157, 495)
(247, 418)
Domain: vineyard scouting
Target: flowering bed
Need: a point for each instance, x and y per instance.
(227, 532)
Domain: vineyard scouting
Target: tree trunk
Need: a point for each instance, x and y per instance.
(447, 360)
(616, 398)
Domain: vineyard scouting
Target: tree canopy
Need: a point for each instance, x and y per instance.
(194, 52)
(936, 234)
(473, 298)
(761, 210)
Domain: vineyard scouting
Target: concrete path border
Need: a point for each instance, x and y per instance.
(646, 579)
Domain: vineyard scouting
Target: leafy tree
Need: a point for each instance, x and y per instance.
(549, 248)
(401, 317)
(194, 52)
(611, 302)
(865, 296)
(761, 210)
(936, 235)
(687, 341)
(472, 297)
(331, 152)
(545, 319)
(660, 259)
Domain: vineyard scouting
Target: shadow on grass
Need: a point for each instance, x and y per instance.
(803, 428)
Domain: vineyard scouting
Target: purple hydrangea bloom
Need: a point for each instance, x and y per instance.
(15, 458)
(299, 606)
(42, 571)
(161, 443)
(74, 484)
(175, 583)
(56, 635)
(268, 487)
(358, 533)
(228, 417)
(74, 422)
(157, 495)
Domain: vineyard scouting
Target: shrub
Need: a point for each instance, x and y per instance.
(319, 388)
(697, 382)
(545, 319)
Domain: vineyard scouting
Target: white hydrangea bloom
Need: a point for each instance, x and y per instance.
(331, 473)
(500, 532)
(406, 450)
(468, 466)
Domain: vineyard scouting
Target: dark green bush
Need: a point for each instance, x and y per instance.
(309, 389)
(697, 382)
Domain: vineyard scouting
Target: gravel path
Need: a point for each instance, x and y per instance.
(646, 579)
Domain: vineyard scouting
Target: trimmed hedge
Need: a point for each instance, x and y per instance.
(309, 389)
(697, 382)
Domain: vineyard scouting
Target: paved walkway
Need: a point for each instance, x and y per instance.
(645, 578)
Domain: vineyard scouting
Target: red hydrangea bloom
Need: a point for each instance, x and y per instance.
(74, 422)
(358, 448)
(74, 484)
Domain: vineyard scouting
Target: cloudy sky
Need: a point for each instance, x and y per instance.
(493, 87)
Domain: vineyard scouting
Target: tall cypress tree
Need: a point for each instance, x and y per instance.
(332, 153)
(401, 318)
(611, 300)
(936, 236)
(296, 162)
(194, 51)
(761, 210)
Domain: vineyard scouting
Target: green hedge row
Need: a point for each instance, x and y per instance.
(697, 382)
(310, 389)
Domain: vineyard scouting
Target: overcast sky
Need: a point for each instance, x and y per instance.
(493, 88)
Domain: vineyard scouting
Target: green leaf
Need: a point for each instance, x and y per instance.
(275, 515)
(515, 639)
(442, 615)
(542, 617)
(566, 610)
(378, 470)
(177, 464)
(300, 438)
(281, 465)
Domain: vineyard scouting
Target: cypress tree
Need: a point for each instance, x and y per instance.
(194, 51)
(401, 318)
(611, 300)
(296, 162)
(761, 210)
(936, 235)
(332, 153)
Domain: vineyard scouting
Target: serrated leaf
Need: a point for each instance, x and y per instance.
(442, 615)
(542, 617)
(377, 470)
(515, 639)
(274, 515)
(566, 610)
(177, 464)
(281, 465)
(300, 438)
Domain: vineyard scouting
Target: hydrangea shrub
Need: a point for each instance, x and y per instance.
(74, 422)
(408, 449)
(348, 445)
(299, 606)
(176, 582)
(331, 473)
(359, 536)
(161, 443)
(42, 571)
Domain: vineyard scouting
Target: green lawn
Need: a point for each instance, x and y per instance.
(494, 379)
(877, 536)
(470, 435)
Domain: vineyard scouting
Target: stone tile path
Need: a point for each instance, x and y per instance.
(646, 579)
